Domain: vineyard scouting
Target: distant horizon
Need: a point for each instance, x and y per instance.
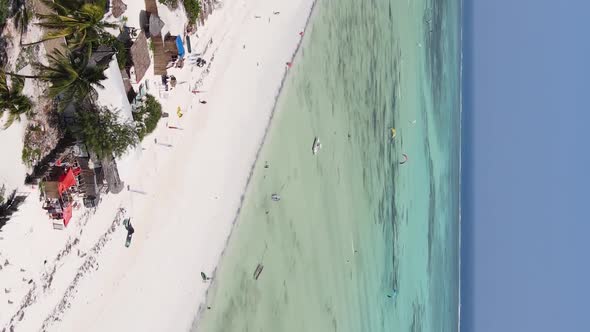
(523, 160)
(466, 169)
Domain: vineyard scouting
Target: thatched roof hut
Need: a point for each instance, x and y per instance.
(119, 8)
(140, 56)
(155, 25)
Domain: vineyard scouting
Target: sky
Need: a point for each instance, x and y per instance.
(526, 164)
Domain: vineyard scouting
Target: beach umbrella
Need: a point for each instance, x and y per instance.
(155, 25)
(143, 20)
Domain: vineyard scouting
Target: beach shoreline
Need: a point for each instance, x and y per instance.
(202, 305)
(215, 151)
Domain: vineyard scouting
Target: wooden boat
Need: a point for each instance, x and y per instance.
(258, 271)
(316, 146)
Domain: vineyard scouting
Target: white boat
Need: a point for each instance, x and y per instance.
(316, 146)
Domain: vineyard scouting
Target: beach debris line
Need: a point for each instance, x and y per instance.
(316, 145)
(404, 159)
(275, 197)
(258, 271)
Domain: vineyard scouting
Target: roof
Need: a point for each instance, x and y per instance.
(140, 56)
(102, 55)
(128, 87)
(67, 214)
(155, 25)
(51, 189)
(119, 8)
(91, 178)
(66, 181)
(151, 6)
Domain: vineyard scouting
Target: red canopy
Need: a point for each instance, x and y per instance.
(67, 214)
(65, 181)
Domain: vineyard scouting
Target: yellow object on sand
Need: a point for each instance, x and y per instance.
(179, 112)
(393, 132)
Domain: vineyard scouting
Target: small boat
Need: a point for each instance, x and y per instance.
(258, 271)
(275, 197)
(404, 160)
(316, 146)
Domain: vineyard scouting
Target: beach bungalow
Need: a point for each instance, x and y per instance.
(118, 8)
(168, 49)
(58, 187)
(140, 57)
(168, 52)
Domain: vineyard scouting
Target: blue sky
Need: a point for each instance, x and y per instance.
(526, 153)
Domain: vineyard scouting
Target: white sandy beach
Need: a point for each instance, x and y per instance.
(184, 192)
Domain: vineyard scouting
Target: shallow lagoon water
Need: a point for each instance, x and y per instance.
(358, 241)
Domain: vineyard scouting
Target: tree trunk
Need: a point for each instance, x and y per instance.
(25, 76)
(38, 42)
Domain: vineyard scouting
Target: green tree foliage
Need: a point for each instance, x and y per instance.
(21, 20)
(29, 155)
(193, 10)
(77, 4)
(102, 132)
(13, 101)
(70, 76)
(3, 11)
(80, 26)
(119, 46)
(147, 117)
(170, 3)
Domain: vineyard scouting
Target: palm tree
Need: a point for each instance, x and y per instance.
(22, 19)
(70, 76)
(102, 131)
(13, 101)
(78, 26)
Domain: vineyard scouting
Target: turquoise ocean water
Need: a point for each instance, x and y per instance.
(354, 225)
